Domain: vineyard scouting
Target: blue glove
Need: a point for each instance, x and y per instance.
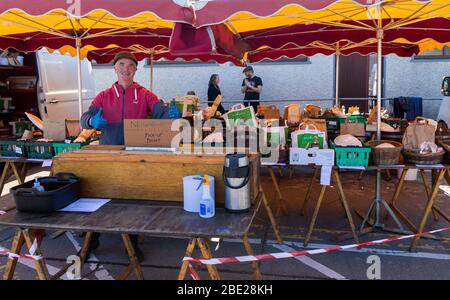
(97, 121)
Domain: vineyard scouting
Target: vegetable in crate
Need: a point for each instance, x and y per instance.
(347, 140)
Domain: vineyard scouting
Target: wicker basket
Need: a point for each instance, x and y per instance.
(414, 157)
(446, 145)
(442, 132)
(385, 156)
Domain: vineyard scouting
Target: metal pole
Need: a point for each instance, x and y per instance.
(151, 71)
(338, 55)
(379, 81)
(80, 91)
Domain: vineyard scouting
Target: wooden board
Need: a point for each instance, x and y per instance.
(144, 175)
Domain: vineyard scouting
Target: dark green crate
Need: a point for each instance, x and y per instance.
(39, 150)
(12, 148)
(351, 156)
(68, 147)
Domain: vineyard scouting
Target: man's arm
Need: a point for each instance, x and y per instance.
(157, 109)
(85, 119)
(257, 89)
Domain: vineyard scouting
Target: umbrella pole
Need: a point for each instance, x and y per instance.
(151, 71)
(338, 55)
(375, 206)
(80, 92)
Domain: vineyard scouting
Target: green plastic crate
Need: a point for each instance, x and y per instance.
(351, 156)
(63, 147)
(39, 150)
(12, 148)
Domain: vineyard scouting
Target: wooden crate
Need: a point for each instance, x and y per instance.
(110, 172)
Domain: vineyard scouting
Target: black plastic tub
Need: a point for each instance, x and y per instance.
(60, 191)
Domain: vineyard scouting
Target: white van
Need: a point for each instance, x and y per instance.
(43, 84)
(444, 110)
(57, 85)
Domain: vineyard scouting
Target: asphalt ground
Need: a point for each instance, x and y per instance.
(163, 256)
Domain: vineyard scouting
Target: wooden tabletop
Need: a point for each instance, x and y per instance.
(138, 217)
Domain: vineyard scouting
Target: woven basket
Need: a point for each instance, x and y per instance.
(414, 157)
(446, 145)
(385, 156)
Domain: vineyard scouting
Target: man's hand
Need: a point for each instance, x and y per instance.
(97, 121)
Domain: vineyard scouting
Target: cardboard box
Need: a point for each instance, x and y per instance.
(149, 133)
(321, 157)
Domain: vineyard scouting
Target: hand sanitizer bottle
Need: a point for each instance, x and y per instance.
(207, 202)
(37, 185)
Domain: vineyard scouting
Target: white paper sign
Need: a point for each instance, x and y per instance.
(85, 205)
(325, 175)
(47, 163)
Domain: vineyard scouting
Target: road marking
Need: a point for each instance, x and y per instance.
(439, 256)
(101, 273)
(311, 263)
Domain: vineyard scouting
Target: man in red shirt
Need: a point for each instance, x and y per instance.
(126, 99)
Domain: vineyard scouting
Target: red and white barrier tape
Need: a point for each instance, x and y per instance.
(271, 256)
(5, 252)
(33, 248)
(194, 273)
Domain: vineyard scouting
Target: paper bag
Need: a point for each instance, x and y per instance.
(239, 114)
(73, 127)
(416, 134)
(304, 138)
(269, 111)
(355, 129)
(292, 114)
(55, 130)
(277, 135)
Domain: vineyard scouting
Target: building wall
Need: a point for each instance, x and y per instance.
(422, 78)
(288, 81)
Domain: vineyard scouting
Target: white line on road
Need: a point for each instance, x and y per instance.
(311, 263)
(102, 273)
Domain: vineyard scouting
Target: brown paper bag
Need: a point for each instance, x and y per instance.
(292, 114)
(55, 130)
(416, 134)
(272, 112)
(73, 127)
(355, 129)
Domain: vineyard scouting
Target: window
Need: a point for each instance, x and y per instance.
(443, 53)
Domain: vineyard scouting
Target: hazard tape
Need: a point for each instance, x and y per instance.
(279, 255)
(5, 252)
(194, 273)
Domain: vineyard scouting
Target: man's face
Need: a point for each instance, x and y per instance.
(248, 74)
(125, 69)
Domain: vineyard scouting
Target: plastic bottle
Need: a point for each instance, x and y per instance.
(37, 185)
(207, 202)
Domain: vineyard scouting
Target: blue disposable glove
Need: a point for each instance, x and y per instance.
(97, 121)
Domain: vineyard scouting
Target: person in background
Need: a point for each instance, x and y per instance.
(214, 91)
(190, 93)
(251, 86)
(125, 99)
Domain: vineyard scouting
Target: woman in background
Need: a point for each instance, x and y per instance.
(214, 91)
